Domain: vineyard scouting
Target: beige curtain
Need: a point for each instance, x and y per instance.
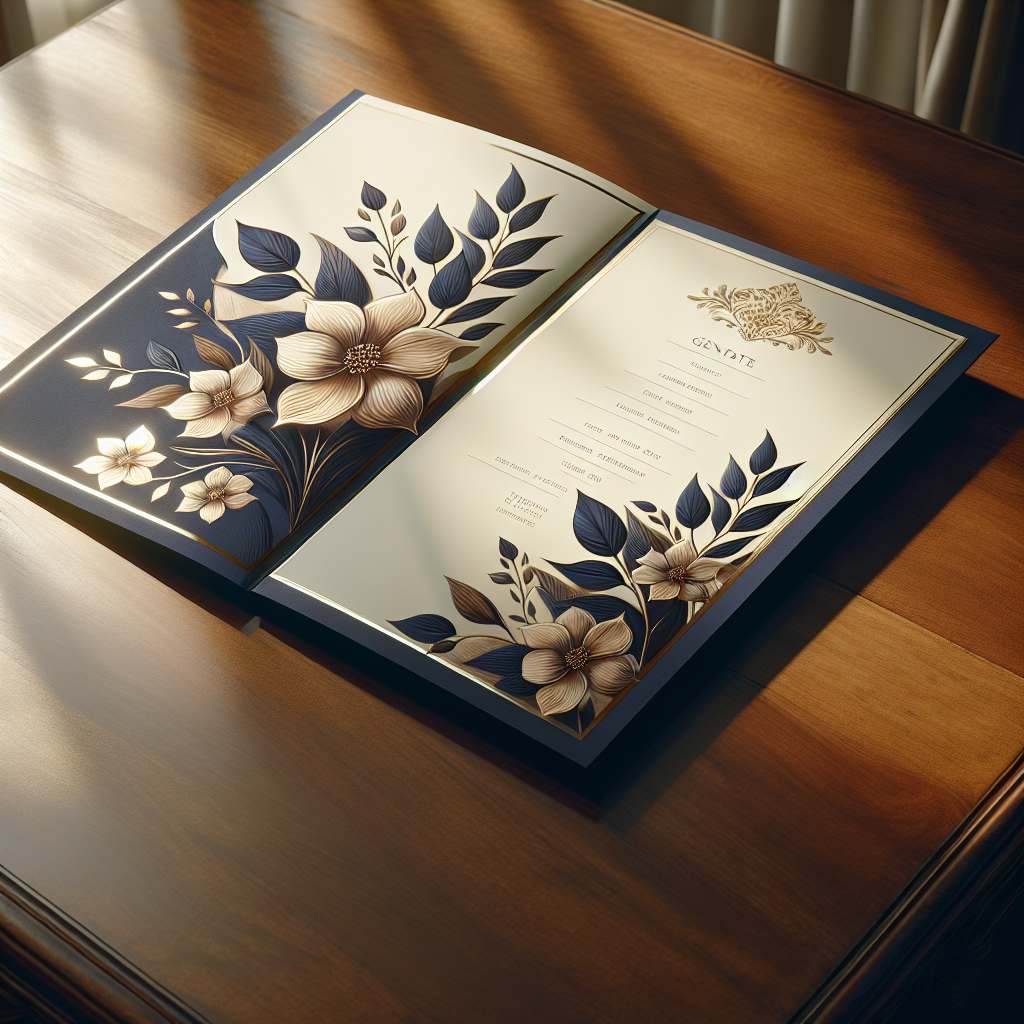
(959, 63)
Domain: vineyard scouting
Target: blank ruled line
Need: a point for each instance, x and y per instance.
(604, 444)
(657, 384)
(518, 479)
(656, 408)
(710, 383)
(635, 424)
(712, 359)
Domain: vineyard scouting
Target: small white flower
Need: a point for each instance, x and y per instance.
(129, 460)
(219, 399)
(219, 491)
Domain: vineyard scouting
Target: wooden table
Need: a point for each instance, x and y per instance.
(196, 823)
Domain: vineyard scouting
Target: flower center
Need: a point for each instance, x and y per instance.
(223, 399)
(360, 358)
(577, 658)
(678, 574)
(126, 459)
(215, 494)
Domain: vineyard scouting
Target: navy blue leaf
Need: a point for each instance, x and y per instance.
(741, 559)
(720, 511)
(400, 266)
(758, 518)
(372, 198)
(646, 506)
(161, 356)
(529, 214)
(517, 686)
(502, 661)
(267, 250)
(477, 308)
(730, 547)
(666, 628)
(604, 607)
(478, 331)
(434, 240)
(500, 577)
(513, 278)
(358, 234)
(764, 455)
(255, 533)
(473, 253)
(452, 283)
(597, 527)
(483, 221)
(339, 279)
(585, 713)
(427, 629)
(511, 255)
(591, 574)
(641, 540)
(266, 288)
(264, 328)
(734, 482)
(774, 480)
(511, 193)
(270, 480)
(507, 549)
(693, 507)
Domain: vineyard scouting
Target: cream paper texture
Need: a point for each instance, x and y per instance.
(626, 395)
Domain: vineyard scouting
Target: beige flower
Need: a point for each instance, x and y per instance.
(362, 363)
(573, 655)
(219, 491)
(220, 399)
(679, 573)
(129, 460)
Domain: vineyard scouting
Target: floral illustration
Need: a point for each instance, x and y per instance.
(579, 634)
(129, 461)
(220, 490)
(300, 400)
(772, 314)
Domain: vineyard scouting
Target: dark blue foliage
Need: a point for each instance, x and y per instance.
(426, 629)
(452, 284)
(666, 628)
(478, 331)
(511, 255)
(597, 527)
(585, 712)
(358, 234)
(641, 539)
(162, 357)
(529, 214)
(507, 549)
(270, 480)
(734, 481)
(764, 455)
(720, 511)
(693, 507)
(513, 278)
(400, 266)
(266, 288)
(434, 240)
(511, 193)
(255, 533)
(591, 574)
(517, 686)
(473, 253)
(760, 517)
(483, 221)
(339, 279)
(477, 308)
(774, 480)
(729, 547)
(269, 251)
(500, 578)
(646, 506)
(264, 328)
(502, 661)
(372, 198)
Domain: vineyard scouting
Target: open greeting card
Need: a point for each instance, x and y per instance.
(476, 408)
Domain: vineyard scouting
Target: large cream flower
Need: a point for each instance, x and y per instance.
(362, 363)
(219, 491)
(574, 654)
(128, 460)
(220, 399)
(679, 573)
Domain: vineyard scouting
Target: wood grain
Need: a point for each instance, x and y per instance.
(267, 837)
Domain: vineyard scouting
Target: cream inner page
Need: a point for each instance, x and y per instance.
(691, 398)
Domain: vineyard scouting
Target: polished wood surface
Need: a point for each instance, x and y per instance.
(271, 835)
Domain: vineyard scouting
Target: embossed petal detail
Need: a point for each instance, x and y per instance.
(220, 399)
(362, 363)
(680, 574)
(220, 490)
(575, 654)
(129, 460)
